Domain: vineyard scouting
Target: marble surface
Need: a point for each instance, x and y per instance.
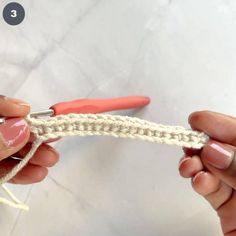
(182, 53)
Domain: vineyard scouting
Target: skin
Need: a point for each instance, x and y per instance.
(46, 156)
(216, 185)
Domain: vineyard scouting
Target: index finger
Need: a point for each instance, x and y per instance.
(218, 126)
(11, 107)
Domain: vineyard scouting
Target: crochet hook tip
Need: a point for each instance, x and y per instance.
(49, 112)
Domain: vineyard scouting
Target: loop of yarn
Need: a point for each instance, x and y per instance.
(100, 124)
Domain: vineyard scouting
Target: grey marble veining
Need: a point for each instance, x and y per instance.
(182, 53)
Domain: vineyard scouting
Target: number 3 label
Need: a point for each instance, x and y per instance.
(13, 13)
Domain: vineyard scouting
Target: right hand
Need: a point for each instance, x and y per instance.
(213, 169)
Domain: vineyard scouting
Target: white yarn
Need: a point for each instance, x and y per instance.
(14, 202)
(100, 124)
(117, 126)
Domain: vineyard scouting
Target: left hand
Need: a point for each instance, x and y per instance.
(15, 142)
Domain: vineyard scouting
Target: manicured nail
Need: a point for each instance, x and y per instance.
(13, 132)
(219, 155)
(15, 101)
(182, 160)
(197, 175)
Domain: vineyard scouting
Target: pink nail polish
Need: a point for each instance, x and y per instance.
(219, 155)
(14, 131)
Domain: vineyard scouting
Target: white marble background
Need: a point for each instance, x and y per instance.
(182, 53)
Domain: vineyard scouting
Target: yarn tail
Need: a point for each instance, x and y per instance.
(12, 201)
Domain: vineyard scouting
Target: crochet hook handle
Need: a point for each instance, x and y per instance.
(99, 105)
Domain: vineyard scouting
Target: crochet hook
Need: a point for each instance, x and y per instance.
(93, 106)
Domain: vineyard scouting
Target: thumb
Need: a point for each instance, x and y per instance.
(14, 134)
(220, 159)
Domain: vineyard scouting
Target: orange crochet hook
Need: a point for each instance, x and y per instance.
(94, 106)
(99, 105)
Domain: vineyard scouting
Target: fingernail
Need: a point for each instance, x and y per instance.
(13, 132)
(15, 101)
(182, 159)
(197, 175)
(52, 150)
(219, 155)
(190, 117)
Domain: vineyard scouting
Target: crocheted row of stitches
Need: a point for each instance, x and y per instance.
(116, 126)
